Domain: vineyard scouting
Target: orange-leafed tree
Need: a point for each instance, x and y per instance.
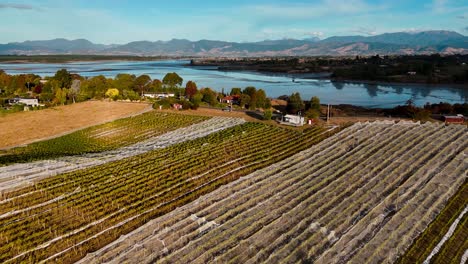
(190, 89)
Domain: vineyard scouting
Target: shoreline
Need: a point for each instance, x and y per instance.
(327, 76)
(384, 83)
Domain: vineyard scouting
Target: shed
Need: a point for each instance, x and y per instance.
(458, 119)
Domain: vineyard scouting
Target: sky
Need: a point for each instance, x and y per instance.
(121, 21)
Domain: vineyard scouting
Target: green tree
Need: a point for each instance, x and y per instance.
(124, 81)
(131, 95)
(267, 104)
(267, 115)
(244, 100)
(312, 113)
(315, 103)
(252, 93)
(172, 79)
(236, 91)
(142, 83)
(95, 87)
(261, 98)
(295, 104)
(156, 85)
(64, 78)
(190, 89)
(209, 96)
(196, 100)
(61, 96)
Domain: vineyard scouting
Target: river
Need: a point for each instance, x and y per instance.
(368, 95)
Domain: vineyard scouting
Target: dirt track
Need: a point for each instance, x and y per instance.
(26, 127)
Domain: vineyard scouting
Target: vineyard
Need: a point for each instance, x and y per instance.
(64, 217)
(108, 136)
(361, 196)
(23, 174)
(456, 246)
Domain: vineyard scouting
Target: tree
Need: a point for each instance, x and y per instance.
(295, 104)
(252, 93)
(236, 91)
(209, 96)
(156, 85)
(190, 89)
(131, 95)
(315, 103)
(172, 79)
(244, 100)
(37, 89)
(61, 96)
(312, 113)
(267, 115)
(196, 100)
(124, 81)
(261, 98)
(74, 90)
(267, 104)
(142, 83)
(112, 93)
(94, 87)
(64, 78)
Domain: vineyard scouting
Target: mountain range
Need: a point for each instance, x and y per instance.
(425, 42)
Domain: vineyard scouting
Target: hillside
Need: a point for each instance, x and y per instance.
(426, 42)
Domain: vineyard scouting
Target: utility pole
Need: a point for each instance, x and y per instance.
(328, 112)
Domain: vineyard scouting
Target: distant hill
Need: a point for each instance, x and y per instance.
(426, 42)
(425, 38)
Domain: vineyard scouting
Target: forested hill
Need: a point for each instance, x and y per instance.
(427, 42)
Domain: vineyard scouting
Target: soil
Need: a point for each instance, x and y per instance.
(27, 127)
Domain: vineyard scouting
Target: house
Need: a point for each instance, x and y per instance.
(292, 120)
(231, 99)
(458, 119)
(27, 102)
(158, 95)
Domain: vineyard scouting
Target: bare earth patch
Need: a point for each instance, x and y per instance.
(26, 127)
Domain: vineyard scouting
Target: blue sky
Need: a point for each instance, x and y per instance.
(121, 21)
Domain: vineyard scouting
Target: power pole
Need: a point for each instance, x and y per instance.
(328, 112)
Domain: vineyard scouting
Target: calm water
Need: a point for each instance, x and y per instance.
(369, 95)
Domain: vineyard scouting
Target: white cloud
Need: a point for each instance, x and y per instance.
(17, 6)
(287, 33)
(366, 31)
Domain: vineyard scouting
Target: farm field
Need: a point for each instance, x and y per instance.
(362, 195)
(26, 127)
(25, 174)
(108, 136)
(62, 218)
(456, 246)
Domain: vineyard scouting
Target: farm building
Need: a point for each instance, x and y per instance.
(158, 95)
(28, 102)
(458, 119)
(292, 120)
(231, 99)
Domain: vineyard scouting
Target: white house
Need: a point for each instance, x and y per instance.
(158, 95)
(28, 102)
(292, 120)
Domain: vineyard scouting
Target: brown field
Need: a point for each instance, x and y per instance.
(26, 127)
